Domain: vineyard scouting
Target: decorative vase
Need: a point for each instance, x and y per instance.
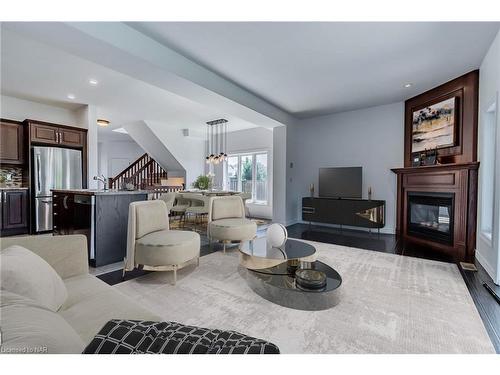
(311, 190)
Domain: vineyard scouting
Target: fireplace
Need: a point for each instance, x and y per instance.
(430, 216)
(436, 208)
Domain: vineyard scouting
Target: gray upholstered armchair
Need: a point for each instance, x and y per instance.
(227, 222)
(152, 246)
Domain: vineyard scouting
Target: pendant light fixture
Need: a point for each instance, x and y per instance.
(216, 141)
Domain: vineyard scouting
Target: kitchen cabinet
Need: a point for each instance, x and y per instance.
(14, 211)
(12, 142)
(102, 216)
(63, 206)
(52, 134)
(44, 134)
(71, 137)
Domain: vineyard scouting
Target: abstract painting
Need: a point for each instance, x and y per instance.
(434, 126)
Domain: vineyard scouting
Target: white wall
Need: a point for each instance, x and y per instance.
(87, 115)
(488, 252)
(109, 150)
(372, 138)
(279, 174)
(249, 140)
(20, 109)
(189, 152)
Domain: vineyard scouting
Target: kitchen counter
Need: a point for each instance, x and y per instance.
(13, 188)
(100, 191)
(101, 215)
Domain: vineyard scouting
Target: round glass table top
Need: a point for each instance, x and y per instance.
(280, 277)
(292, 249)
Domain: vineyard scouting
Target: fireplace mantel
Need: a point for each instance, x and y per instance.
(459, 179)
(427, 168)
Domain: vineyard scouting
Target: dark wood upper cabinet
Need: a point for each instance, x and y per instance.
(12, 142)
(53, 134)
(69, 137)
(49, 134)
(14, 209)
(44, 134)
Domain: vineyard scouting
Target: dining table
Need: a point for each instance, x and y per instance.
(211, 193)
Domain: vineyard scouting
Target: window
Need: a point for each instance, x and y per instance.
(248, 173)
(487, 171)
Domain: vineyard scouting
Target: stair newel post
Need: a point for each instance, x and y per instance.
(150, 172)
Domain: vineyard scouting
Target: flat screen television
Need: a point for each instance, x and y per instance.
(342, 182)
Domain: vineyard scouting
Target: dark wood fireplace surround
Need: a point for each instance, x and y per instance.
(456, 173)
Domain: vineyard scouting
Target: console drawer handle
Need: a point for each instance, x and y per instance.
(308, 210)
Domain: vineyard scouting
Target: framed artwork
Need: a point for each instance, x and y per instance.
(434, 126)
(444, 119)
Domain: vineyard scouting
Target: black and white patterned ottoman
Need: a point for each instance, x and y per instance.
(143, 337)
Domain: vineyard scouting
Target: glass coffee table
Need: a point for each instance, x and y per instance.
(259, 255)
(271, 273)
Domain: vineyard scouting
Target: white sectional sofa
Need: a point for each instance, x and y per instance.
(60, 308)
(90, 302)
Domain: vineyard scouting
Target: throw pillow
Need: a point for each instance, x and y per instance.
(25, 273)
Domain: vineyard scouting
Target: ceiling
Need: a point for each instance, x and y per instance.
(314, 68)
(306, 69)
(36, 71)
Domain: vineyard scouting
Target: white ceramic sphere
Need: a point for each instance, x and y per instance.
(276, 235)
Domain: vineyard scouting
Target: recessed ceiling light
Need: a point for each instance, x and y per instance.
(102, 122)
(93, 82)
(120, 130)
(71, 96)
(408, 85)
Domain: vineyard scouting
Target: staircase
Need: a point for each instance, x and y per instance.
(145, 174)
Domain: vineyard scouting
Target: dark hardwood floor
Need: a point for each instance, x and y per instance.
(386, 243)
(487, 305)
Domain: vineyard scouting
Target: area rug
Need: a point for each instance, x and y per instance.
(389, 304)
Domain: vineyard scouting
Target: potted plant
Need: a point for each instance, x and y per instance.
(202, 182)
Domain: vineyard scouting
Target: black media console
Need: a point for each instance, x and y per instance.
(352, 212)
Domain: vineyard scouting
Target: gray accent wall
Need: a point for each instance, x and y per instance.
(372, 138)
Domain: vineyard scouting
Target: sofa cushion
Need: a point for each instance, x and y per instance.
(91, 303)
(25, 273)
(30, 328)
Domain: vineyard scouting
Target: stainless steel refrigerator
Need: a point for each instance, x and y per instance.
(53, 168)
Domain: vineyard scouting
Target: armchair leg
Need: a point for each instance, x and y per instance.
(175, 275)
(123, 273)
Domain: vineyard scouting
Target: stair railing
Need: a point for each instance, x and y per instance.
(144, 173)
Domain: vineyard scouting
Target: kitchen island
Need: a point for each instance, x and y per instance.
(101, 215)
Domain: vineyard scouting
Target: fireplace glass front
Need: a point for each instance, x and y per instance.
(430, 216)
